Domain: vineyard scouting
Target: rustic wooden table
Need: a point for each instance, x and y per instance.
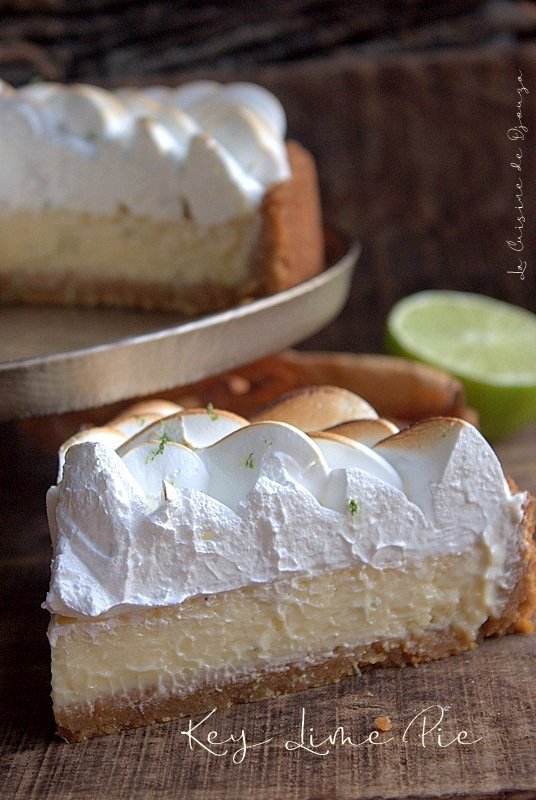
(489, 693)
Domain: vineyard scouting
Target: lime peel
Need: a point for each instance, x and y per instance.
(488, 344)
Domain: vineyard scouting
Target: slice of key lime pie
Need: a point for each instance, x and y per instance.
(186, 198)
(201, 559)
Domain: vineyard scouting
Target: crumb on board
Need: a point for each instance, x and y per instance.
(383, 724)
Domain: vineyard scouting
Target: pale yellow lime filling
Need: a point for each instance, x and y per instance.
(114, 247)
(209, 640)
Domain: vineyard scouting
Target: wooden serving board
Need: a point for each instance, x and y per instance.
(464, 727)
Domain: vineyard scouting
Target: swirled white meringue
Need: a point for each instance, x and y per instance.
(205, 150)
(167, 521)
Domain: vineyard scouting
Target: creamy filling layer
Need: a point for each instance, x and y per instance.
(214, 639)
(127, 246)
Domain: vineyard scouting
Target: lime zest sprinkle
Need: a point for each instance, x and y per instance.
(249, 463)
(210, 411)
(353, 506)
(164, 440)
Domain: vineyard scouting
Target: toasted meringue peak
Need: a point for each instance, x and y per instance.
(318, 407)
(107, 435)
(366, 431)
(84, 111)
(188, 427)
(159, 407)
(135, 423)
(200, 96)
(341, 452)
(426, 452)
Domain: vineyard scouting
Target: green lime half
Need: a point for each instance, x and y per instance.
(488, 344)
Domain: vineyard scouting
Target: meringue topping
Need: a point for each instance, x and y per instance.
(205, 150)
(192, 506)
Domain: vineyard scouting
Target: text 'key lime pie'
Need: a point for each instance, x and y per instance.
(184, 198)
(201, 559)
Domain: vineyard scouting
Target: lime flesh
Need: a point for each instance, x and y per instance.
(488, 344)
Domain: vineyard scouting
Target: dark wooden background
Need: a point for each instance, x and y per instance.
(98, 40)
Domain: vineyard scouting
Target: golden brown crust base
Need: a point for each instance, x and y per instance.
(292, 238)
(68, 289)
(137, 708)
(290, 250)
